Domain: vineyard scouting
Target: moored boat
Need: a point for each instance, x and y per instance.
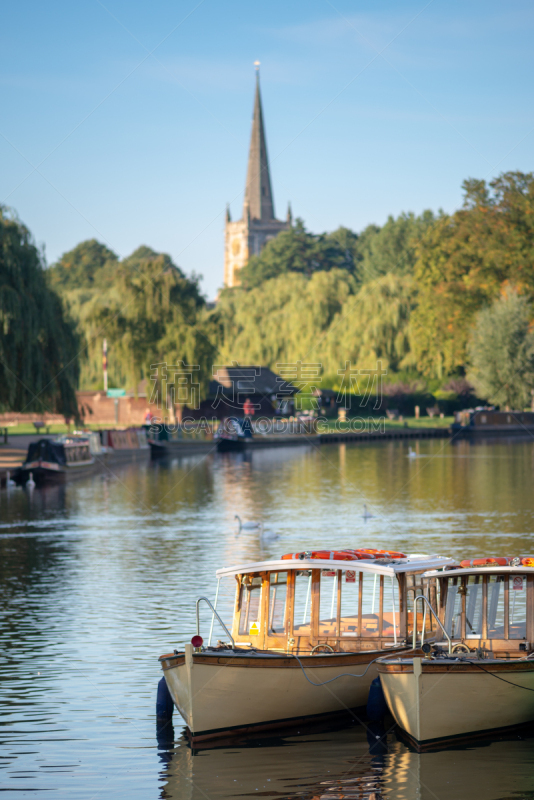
(480, 678)
(233, 434)
(56, 459)
(306, 632)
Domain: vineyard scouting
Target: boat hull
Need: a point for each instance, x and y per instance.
(438, 700)
(219, 694)
(231, 445)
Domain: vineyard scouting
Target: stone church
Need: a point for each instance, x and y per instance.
(247, 236)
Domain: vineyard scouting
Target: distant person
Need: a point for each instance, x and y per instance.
(248, 408)
(148, 417)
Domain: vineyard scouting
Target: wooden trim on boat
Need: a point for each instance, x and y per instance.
(431, 667)
(172, 660)
(270, 660)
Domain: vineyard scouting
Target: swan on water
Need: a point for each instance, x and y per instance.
(247, 526)
(10, 483)
(30, 483)
(268, 535)
(367, 514)
(411, 453)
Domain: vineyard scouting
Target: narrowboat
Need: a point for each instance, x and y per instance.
(306, 633)
(476, 423)
(480, 677)
(56, 459)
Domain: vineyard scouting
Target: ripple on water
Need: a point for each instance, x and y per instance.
(100, 576)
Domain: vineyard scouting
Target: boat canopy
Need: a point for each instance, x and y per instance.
(487, 570)
(46, 450)
(377, 566)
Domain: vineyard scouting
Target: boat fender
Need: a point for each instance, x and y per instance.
(376, 702)
(164, 703)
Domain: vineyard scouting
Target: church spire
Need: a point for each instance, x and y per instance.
(258, 193)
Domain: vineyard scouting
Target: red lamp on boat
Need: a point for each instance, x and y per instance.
(197, 641)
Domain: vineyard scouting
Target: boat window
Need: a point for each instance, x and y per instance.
(391, 619)
(453, 610)
(277, 602)
(328, 603)
(250, 605)
(496, 584)
(518, 606)
(370, 604)
(302, 604)
(350, 588)
(473, 606)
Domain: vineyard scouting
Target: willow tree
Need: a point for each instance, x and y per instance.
(284, 320)
(151, 316)
(38, 343)
(373, 326)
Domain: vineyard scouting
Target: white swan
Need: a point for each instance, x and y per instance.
(30, 483)
(411, 453)
(268, 535)
(10, 483)
(247, 526)
(367, 514)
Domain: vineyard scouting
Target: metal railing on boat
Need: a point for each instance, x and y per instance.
(215, 614)
(429, 604)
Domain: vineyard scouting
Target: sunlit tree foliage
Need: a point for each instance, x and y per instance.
(38, 342)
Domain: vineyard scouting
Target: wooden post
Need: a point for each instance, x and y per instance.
(360, 605)
(530, 610)
(506, 606)
(484, 632)
(403, 632)
(315, 599)
(338, 616)
(463, 590)
(381, 607)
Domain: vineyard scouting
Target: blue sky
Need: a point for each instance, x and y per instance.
(129, 121)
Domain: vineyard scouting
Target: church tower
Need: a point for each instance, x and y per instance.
(246, 237)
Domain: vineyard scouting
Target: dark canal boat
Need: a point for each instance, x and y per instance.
(56, 459)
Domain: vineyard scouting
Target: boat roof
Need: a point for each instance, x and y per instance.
(412, 563)
(482, 570)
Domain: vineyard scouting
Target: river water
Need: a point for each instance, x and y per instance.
(98, 578)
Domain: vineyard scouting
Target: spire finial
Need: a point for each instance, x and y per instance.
(257, 67)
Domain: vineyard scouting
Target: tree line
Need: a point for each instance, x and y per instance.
(443, 301)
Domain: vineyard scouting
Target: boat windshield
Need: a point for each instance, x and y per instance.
(506, 606)
(249, 620)
(277, 602)
(302, 603)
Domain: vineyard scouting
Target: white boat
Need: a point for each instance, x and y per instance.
(306, 633)
(480, 678)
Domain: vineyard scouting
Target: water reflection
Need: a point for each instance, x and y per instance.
(99, 577)
(339, 765)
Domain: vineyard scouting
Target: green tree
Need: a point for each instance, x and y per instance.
(83, 267)
(391, 248)
(372, 326)
(298, 250)
(463, 263)
(501, 352)
(152, 314)
(284, 320)
(38, 343)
